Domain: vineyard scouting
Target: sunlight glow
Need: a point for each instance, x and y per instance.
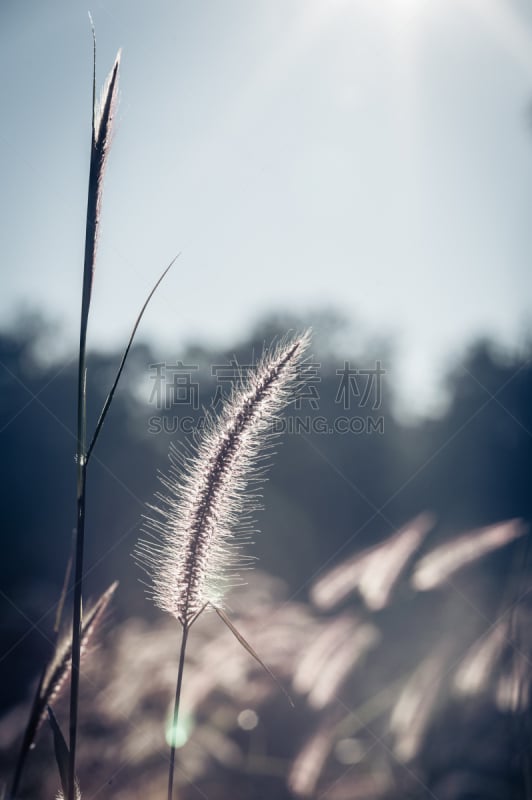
(178, 735)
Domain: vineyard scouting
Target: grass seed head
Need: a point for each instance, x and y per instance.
(205, 514)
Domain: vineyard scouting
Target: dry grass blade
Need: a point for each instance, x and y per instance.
(245, 644)
(61, 757)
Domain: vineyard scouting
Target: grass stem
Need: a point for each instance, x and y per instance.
(100, 137)
(175, 718)
(76, 628)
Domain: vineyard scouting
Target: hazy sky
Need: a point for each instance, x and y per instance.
(369, 155)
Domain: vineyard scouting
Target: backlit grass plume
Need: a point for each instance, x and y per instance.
(206, 512)
(205, 515)
(59, 669)
(56, 675)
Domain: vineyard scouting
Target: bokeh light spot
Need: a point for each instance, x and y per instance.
(349, 751)
(248, 719)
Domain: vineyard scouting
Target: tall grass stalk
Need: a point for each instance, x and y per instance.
(102, 119)
(195, 543)
(102, 128)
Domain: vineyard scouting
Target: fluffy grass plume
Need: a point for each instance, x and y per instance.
(102, 130)
(55, 676)
(206, 513)
(59, 669)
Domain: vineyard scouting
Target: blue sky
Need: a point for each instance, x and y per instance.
(374, 157)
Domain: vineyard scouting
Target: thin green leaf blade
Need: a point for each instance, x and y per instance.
(245, 644)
